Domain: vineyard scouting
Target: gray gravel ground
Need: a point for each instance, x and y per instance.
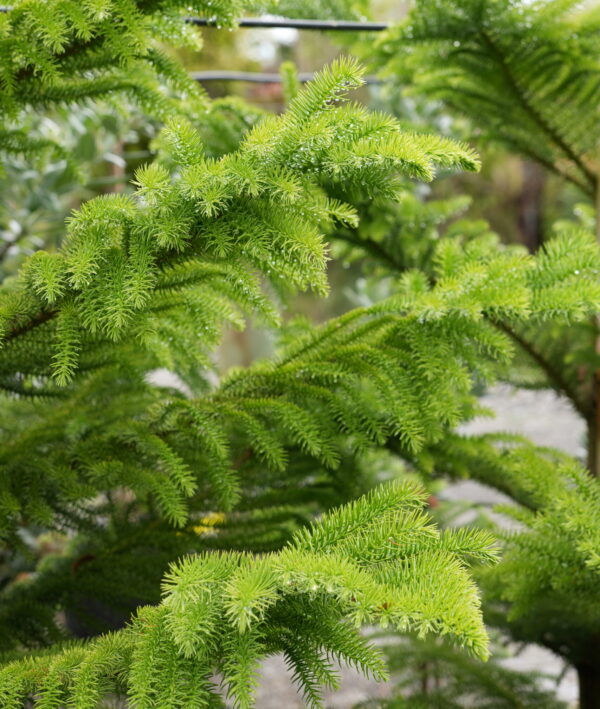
(546, 420)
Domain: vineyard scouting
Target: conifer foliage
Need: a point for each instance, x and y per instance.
(533, 62)
(219, 478)
(375, 560)
(527, 78)
(54, 53)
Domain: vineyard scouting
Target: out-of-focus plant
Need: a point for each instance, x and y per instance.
(102, 147)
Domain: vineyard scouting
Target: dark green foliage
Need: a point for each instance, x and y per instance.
(65, 52)
(535, 63)
(555, 602)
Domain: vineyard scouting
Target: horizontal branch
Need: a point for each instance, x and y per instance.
(39, 319)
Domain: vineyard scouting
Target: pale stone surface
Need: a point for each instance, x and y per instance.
(542, 416)
(547, 420)
(277, 692)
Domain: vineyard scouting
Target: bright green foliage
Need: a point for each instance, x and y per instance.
(226, 472)
(382, 359)
(212, 234)
(167, 267)
(373, 561)
(536, 63)
(118, 246)
(545, 588)
(61, 52)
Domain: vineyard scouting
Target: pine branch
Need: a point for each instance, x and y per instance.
(42, 317)
(554, 374)
(568, 151)
(224, 612)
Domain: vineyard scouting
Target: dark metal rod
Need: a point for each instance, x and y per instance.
(258, 77)
(326, 25)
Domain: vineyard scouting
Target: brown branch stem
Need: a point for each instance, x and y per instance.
(554, 375)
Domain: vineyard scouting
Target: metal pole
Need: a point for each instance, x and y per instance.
(323, 25)
(258, 77)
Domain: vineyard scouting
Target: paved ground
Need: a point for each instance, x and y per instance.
(546, 420)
